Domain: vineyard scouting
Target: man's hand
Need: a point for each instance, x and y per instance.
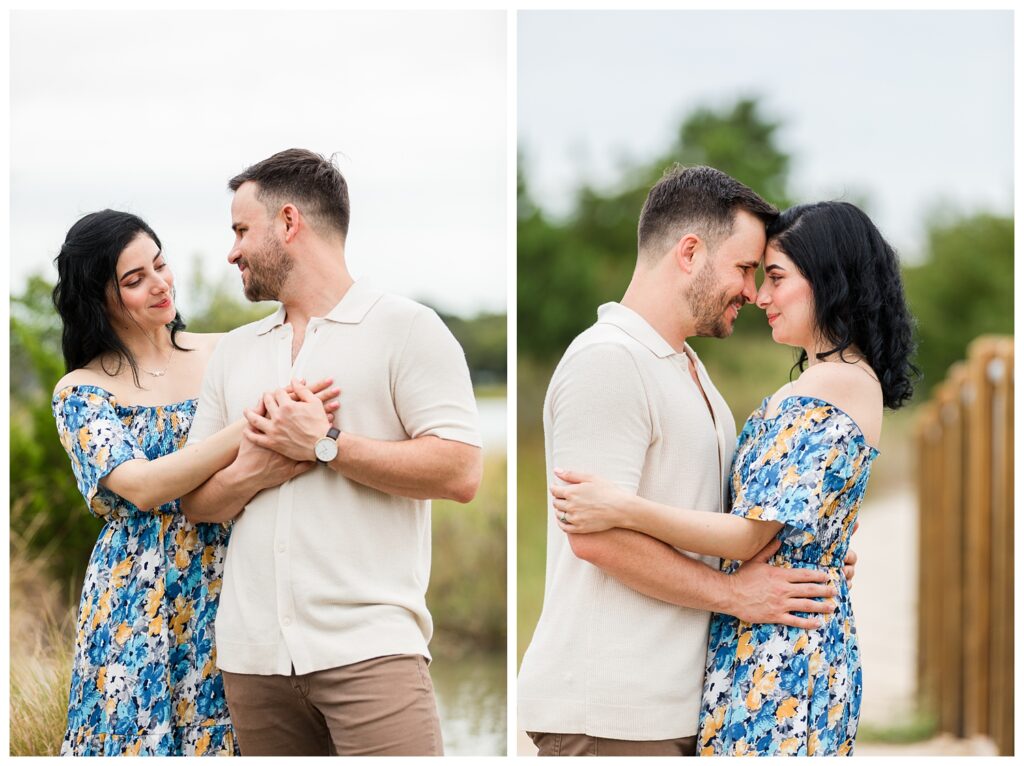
(267, 467)
(763, 593)
(287, 425)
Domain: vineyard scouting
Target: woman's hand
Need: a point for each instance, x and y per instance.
(588, 503)
(322, 390)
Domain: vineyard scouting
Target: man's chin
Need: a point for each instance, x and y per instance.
(720, 329)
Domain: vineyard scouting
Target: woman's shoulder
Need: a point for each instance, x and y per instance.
(851, 389)
(84, 376)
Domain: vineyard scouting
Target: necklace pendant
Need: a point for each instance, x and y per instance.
(157, 374)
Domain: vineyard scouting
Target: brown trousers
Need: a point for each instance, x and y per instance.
(382, 706)
(584, 744)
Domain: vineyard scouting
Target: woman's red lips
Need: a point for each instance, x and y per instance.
(162, 304)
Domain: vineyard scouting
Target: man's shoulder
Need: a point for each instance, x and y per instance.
(601, 355)
(397, 308)
(602, 341)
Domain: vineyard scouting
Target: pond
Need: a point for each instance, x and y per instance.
(472, 702)
(493, 423)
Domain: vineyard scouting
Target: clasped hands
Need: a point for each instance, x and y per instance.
(283, 427)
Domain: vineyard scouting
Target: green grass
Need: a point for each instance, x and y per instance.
(918, 727)
(491, 391)
(467, 593)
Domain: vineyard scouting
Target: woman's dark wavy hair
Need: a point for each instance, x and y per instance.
(86, 269)
(857, 287)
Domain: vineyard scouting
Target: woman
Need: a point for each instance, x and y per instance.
(144, 679)
(832, 289)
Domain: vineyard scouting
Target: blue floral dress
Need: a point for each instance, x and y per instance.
(772, 689)
(144, 679)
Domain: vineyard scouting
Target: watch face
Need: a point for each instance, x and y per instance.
(326, 449)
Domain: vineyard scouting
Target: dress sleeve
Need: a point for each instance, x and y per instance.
(95, 439)
(789, 477)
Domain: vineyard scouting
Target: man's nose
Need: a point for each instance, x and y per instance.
(750, 290)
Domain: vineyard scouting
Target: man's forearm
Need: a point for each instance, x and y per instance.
(221, 497)
(655, 569)
(423, 468)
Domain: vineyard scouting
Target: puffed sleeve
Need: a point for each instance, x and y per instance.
(793, 472)
(95, 439)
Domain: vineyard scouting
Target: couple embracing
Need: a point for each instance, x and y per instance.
(235, 496)
(696, 595)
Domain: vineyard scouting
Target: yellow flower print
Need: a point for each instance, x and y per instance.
(120, 573)
(203, 744)
(789, 746)
(124, 632)
(786, 709)
(745, 649)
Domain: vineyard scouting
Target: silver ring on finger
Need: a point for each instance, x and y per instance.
(564, 519)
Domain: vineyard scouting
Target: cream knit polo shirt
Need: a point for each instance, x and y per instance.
(606, 660)
(323, 572)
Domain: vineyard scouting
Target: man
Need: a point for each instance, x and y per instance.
(616, 664)
(322, 627)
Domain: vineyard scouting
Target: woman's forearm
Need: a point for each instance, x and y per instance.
(149, 484)
(709, 534)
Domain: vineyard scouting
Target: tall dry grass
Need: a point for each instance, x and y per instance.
(42, 641)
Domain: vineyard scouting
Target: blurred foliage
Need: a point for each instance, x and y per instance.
(49, 516)
(467, 593)
(484, 339)
(963, 289)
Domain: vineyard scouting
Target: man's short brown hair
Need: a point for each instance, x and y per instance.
(305, 179)
(697, 199)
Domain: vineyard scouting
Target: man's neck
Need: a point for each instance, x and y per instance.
(657, 309)
(317, 289)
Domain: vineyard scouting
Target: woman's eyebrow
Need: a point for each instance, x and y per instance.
(132, 271)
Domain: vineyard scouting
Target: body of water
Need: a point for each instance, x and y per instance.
(494, 423)
(471, 699)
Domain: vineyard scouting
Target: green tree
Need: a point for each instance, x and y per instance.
(963, 289)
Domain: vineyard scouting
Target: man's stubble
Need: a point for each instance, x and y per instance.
(268, 270)
(708, 304)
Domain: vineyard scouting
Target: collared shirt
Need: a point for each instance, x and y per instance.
(321, 571)
(606, 660)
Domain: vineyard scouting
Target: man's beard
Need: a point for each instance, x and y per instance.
(268, 269)
(708, 305)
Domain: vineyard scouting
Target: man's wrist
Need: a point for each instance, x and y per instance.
(723, 595)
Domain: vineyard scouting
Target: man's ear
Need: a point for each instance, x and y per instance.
(292, 220)
(687, 252)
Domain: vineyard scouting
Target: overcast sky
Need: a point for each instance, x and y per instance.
(906, 109)
(153, 112)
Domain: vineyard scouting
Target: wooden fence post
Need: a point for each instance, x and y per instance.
(965, 600)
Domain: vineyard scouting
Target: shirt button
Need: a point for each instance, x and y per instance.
(286, 621)
(280, 547)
